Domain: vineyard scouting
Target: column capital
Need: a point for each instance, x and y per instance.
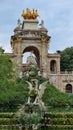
(43, 39)
(19, 39)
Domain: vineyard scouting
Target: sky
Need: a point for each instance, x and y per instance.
(57, 16)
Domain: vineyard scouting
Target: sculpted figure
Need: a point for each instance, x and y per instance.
(27, 14)
(30, 14)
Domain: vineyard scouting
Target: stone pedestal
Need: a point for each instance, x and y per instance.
(30, 24)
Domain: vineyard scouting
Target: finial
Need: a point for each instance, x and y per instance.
(42, 23)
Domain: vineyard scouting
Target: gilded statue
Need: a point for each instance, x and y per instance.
(30, 14)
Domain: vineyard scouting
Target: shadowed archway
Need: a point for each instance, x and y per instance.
(35, 52)
(53, 66)
(68, 88)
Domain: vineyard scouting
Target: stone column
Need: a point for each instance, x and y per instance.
(19, 55)
(19, 39)
(44, 56)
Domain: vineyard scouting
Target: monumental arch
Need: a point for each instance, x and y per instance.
(32, 36)
(29, 36)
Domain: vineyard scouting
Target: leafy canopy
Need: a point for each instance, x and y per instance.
(13, 91)
(67, 59)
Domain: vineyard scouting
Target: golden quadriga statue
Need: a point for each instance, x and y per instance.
(30, 14)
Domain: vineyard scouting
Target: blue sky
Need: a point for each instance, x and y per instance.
(57, 16)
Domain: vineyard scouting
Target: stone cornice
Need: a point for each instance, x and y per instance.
(55, 55)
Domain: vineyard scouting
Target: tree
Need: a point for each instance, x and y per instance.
(5, 67)
(1, 51)
(13, 91)
(67, 59)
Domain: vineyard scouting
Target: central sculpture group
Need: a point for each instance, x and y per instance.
(30, 14)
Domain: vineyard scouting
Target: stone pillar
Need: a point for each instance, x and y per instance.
(19, 55)
(58, 66)
(19, 39)
(44, 57)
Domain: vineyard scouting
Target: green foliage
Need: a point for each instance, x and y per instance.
(6, 115)
(8, 127)
(27, 119)
(12, 91)
(32, 72)
(1, 51)
(41, 79)
(60, 127)
(57, 101)
(7, 119)
(60, 114)
(67, 59)
(60, 118)
(53, 97)
(5, 68)
(58, 121)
